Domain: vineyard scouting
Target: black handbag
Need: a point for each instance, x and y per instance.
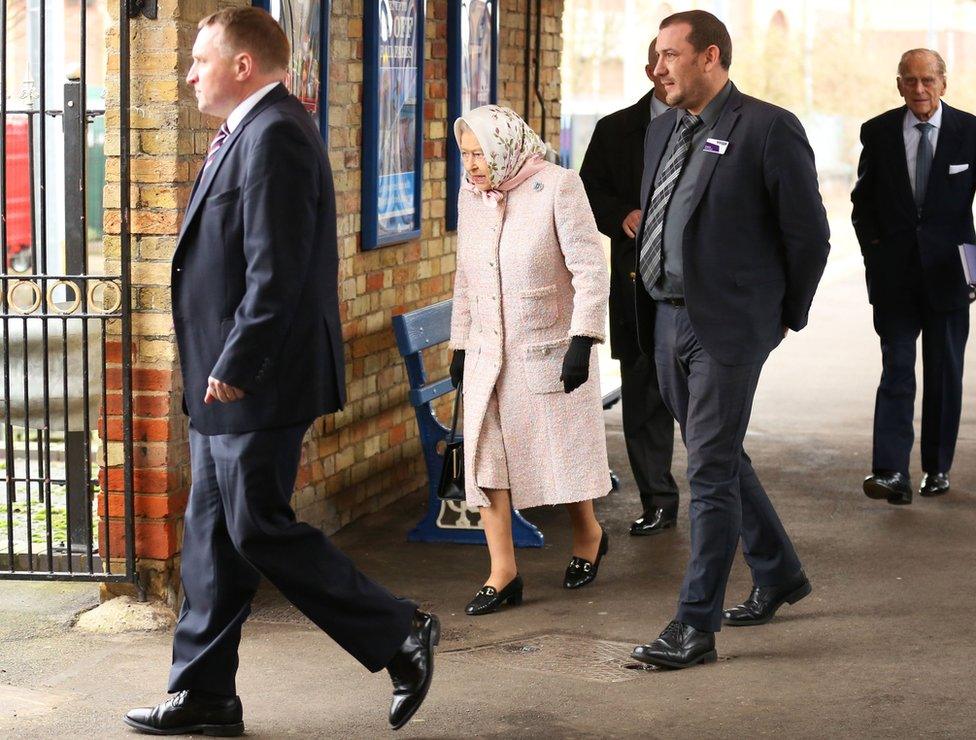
(451, 485)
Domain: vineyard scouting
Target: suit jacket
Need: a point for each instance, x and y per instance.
(254, 276)
(890, 229)
(756, 242)
(611, 173)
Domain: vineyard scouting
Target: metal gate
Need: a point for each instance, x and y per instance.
(65, 394)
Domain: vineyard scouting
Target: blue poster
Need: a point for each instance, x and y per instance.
(398, 118)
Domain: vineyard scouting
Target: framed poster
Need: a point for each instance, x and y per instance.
(306, 24)
(393, 121)
(472, 73)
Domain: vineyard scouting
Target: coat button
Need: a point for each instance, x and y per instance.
(633, 276)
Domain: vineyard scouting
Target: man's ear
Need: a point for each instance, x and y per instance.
(712, 57)
(243, 66)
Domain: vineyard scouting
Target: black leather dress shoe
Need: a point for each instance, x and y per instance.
(895, 488)
(679, 646)
(489, 598)
(581, 571)
(934, 484)
(190, 713)
(653, 521)
(763, 602)
(412, 668)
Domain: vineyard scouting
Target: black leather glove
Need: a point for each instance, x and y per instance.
(576, 363)
(457, 367)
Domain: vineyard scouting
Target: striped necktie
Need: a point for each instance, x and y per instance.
(215, 145)
(652, 237)
(923, 162)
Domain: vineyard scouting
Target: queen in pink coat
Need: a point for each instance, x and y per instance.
(530, 299)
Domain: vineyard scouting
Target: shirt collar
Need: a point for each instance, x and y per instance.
(244, 107)
(714, 108)
(935, 120)
(658, 107)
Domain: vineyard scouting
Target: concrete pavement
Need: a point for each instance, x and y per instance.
(883, 647)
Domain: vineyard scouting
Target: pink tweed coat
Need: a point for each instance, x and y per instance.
(531, 273)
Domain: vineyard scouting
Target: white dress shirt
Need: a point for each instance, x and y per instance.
(245, 106)
(912, 135)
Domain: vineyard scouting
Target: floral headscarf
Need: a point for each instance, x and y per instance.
(513, 151)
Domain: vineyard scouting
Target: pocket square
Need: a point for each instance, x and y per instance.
(955, 169)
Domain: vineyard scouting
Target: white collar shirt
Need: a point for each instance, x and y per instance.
(912, 136)
(245, 106)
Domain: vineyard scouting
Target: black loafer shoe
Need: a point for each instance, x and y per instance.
(934, 484)
(679, 646)
(653, 521)
(190, 713)
(489, 598)
(412, 668)
(763, 602)
(582, 571)
(895, 488)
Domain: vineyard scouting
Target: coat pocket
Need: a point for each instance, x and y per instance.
(544, 365)
(228, 196)
(539, 307)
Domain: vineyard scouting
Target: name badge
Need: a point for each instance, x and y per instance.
(715, 146)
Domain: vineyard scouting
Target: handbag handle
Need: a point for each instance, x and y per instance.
(457, 406)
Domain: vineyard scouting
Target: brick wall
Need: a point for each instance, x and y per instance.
(368, 455)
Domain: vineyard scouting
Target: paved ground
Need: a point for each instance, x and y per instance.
(883, 648)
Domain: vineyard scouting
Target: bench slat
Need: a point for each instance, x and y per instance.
(423, 328)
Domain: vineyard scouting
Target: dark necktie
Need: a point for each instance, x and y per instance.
(923, 162)
(652, 237)
(218, 141)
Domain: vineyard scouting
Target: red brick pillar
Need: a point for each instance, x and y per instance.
(168, 141)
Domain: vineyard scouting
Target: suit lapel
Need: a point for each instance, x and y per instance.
(655, 142)
(205, 177)
(896, 155)
(722, 130)
(950, 140)
(639, 120)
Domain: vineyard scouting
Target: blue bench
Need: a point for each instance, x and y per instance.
(445, 521)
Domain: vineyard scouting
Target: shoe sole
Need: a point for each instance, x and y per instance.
(234, 730)
(882, 493)
(801, 593)
(435, 638)
(651, 532)
(515, 600)
(933, 494)
(710, 657)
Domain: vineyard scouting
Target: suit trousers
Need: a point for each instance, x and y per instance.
(944, 335)
(239, 526)
(712, 403)
(649, 433)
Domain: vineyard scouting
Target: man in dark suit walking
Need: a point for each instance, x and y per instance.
(255, 308)
(611, 173)
(913, 206)
(731, 248)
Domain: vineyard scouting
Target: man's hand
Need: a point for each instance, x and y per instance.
(632, 223)
(218, 390)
